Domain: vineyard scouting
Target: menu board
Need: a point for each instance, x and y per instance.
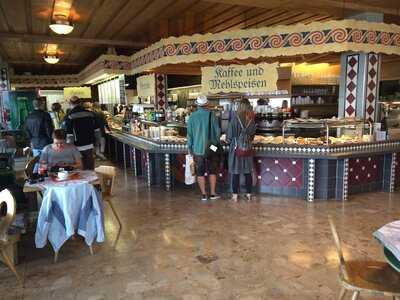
(82, 92)
(239, 78)
(146, 86)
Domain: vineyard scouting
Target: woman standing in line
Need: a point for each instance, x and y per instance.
(241, 131)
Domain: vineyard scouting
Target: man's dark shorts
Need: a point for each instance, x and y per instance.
(203, 164)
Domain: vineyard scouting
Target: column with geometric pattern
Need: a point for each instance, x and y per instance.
(372, 86)
(161, 91)
(351, 85)
(359, 85)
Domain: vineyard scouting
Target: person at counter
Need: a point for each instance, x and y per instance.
(203, 131)
(60, 154)
(240, 135)
(83, 130)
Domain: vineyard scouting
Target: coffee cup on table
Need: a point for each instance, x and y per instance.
(62, 175)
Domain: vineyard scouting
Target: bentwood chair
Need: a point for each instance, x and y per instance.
(367, 276)
(107, 178)
(7, 242)
(30, 166)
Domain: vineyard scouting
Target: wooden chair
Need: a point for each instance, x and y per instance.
(371, 277)
(6, 243)
(107, 178)
(30, 166)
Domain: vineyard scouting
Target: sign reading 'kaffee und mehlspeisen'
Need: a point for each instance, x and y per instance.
(239, 78)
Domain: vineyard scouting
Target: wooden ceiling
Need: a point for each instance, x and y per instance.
(130, 25)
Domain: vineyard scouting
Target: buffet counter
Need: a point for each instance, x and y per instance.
(309, 171)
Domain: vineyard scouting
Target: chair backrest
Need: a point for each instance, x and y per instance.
(107, 178)
(30, 166)
(5, 221)
(342, 262)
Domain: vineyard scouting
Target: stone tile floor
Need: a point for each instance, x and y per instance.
(173, 246)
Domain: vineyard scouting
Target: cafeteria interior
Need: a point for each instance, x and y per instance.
(321, 82)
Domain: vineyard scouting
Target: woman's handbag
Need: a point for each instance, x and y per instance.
(244, 145)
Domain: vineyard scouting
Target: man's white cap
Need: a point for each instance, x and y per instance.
(201, 100)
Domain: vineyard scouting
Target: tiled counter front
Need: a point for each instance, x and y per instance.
(366, 174)
(281, 176)
(308, 172)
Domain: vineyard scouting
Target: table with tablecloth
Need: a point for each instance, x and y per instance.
(389, 236)
(69, 207)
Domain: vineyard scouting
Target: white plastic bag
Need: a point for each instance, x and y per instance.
(189, 176)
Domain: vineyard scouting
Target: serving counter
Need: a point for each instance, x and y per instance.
(303, 171)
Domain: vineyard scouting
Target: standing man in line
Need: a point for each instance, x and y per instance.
(204, 132)
(82, 130)
(39, 127)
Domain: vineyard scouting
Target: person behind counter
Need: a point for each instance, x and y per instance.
(60, 154)
(202, 130)
(241, 131)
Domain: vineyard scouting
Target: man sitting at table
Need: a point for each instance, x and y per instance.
(60, 154)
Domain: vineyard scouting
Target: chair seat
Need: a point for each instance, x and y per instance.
(372, 276)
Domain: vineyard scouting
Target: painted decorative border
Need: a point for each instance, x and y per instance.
(298, 39)
(317, 37)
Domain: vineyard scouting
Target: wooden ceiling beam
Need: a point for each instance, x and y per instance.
(88, 42)
(336, 8)
(38, 62)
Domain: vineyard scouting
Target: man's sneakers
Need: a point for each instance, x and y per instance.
(212, 197)
(215, 197)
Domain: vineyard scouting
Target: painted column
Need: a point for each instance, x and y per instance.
(360, 76)
(161, 91)
(359, 85)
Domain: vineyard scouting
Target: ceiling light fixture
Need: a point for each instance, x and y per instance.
(61, 25)
(51, 59)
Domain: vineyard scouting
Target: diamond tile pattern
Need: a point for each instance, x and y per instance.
(280, 172)
(372, 86)
(351, 85)
(161, 90)
(365, 170)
